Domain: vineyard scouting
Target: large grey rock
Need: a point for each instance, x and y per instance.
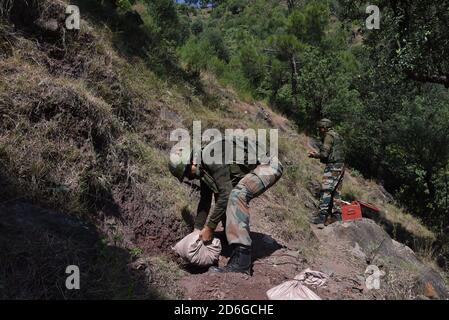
(367, 240)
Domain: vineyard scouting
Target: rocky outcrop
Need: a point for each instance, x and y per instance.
(366, 240)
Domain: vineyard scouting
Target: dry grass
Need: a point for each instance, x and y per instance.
(77, 137)
(401, 286)
(86, 131)
(357, 188)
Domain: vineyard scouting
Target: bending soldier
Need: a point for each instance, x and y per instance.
(234, 184)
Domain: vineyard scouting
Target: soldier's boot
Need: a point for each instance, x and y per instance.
(332, 218)
(240, 261)
(319, 219)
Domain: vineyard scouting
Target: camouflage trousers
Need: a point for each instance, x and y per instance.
(330, 194)
(251, 186)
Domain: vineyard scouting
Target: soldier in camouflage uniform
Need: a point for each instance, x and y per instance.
(233, 184)
(332, 154)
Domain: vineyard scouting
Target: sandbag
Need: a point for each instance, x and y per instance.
(291, 290)
(193, 250)
(296, 290)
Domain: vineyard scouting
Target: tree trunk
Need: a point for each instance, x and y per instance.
(291, 4)
(430, 185)
(446, 185)
(294, 80)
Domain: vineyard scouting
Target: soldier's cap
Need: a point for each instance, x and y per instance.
(324, 123)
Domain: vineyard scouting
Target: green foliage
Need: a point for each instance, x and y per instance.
(308, 24)
(412, 38)
(284, 98)
(423, 125)
(252, 63)
(399, 135)
(124, 5)
(215, 41)
(165, 19)
(135, 252)
(150, 29)
(315, 59)
(285, 46)
(196, 54)
(197, 27)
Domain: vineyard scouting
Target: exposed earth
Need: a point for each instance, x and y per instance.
(85, 132)
(342, 250)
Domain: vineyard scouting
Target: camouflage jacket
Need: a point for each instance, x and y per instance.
(332, 148)
(219, 180)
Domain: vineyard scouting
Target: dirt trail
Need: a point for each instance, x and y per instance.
(276, 262)
(330, 250)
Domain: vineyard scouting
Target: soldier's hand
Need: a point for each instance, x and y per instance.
(206, 234)
(313, 154)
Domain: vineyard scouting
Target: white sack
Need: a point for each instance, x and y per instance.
(312, 278)
(296, 289)
(291, 290)
(192, 249)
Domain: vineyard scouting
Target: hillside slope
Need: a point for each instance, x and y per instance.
(85, 134)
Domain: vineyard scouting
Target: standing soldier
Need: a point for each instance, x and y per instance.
(234, 183)
(332, 154)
